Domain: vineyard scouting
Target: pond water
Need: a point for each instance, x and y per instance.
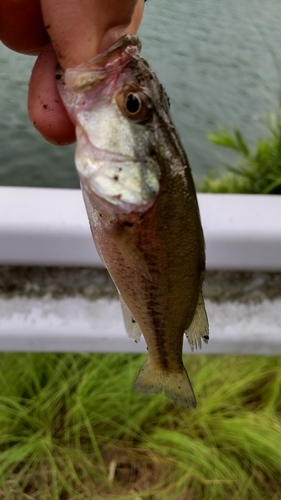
(218, 60)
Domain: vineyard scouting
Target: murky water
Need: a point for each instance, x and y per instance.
(218, 59)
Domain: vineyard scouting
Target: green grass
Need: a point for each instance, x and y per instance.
(256, 171)
(71, 427)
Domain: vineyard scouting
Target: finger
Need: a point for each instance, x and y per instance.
(77, 29)
(116, 32)
(45, 107)
(21, 26)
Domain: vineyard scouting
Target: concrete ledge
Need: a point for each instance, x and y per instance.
(79, 325)
(50, 227)
(74, 310)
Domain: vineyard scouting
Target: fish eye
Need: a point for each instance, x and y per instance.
(134, 104)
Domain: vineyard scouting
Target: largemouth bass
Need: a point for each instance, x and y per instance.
(142, 208)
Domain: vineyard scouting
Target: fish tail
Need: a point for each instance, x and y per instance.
(176, 385)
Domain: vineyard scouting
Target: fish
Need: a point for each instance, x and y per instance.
(142, 208)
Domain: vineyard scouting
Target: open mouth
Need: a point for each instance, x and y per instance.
(115, 182)
(113, 205)
(114, 195)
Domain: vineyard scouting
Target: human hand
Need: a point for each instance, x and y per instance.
(65, 31)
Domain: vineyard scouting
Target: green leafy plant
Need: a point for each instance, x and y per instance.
(257, 171)
(72, 428)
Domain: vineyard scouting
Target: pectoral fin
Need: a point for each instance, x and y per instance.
(132, 327)
(128, 249)
(199, 327)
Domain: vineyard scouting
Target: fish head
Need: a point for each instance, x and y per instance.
(113, 101)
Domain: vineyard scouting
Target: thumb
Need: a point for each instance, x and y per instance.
(81, 29)
(78, 31)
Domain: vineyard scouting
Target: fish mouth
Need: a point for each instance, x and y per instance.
(116, 183)
(113, 205)
(109, 194)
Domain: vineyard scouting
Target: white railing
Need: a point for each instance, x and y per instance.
(49, 227)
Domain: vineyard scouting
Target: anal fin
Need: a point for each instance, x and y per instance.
(199, 327)
(132, 327)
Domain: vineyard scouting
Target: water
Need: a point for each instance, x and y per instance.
(216, 59)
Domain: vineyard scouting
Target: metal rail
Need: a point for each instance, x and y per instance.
(50, 227)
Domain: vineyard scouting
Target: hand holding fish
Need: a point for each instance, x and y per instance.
(68, 31)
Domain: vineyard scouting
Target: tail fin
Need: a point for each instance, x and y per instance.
(176, 385)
